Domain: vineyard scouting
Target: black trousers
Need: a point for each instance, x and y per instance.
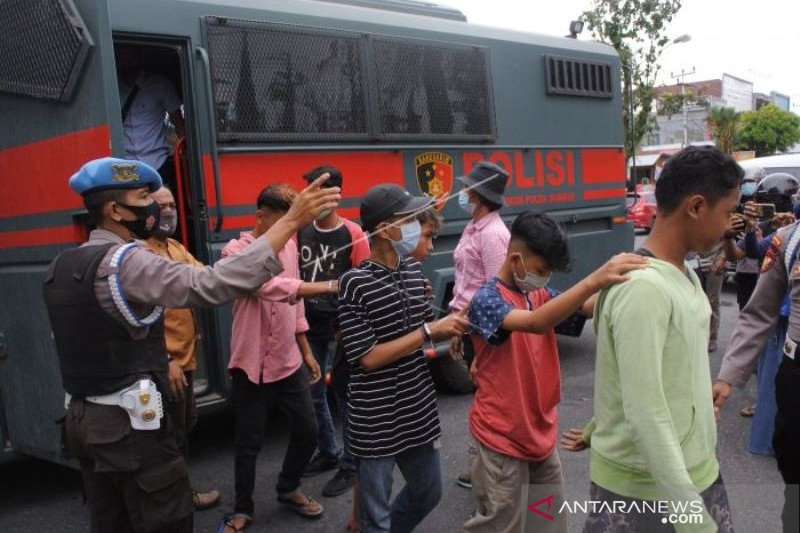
(253, 404)
(183, 413)
(135, 481)
(745, 285)
(786, 439)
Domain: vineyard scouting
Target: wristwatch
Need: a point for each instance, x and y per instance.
(427, 336)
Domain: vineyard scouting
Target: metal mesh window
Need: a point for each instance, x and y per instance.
(578, 78)
(43, 47)
(432, 89)
(271, 82)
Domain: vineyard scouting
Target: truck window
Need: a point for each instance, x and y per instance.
(275, 82)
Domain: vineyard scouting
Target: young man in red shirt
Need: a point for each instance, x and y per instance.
(514, 416)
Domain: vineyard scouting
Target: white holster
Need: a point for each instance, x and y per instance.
(141, 401)
(789, 348)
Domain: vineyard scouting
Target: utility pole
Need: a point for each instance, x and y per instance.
(681, 77)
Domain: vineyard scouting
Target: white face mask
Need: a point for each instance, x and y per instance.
(410, 238)
(464, 203)
(530, 282)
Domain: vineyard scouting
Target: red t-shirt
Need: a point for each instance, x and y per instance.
(518, 377)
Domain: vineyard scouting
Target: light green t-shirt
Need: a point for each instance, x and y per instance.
(654, 435)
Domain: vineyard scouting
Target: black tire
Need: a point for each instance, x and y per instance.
(450, 375)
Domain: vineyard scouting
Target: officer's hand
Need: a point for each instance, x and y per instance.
(572, 440)
(313, 200)
(720, 392)
(177, 380)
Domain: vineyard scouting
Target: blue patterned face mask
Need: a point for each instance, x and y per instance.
(410, 238)
(749, 188)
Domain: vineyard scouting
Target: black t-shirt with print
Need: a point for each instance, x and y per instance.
(324, 255)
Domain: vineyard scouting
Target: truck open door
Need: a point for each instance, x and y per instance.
(57, 94)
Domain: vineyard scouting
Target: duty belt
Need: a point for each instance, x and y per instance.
(141, 401)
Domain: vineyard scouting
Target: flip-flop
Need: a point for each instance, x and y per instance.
(302, 508)
(227, 521)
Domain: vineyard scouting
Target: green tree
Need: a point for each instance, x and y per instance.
(723, 122)
(637, 30)
(672, 104)
(768, 130)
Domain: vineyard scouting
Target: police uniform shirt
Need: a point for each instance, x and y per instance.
(758, 317)
(148, 279)
(143, 128)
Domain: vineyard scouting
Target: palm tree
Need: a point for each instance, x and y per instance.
(724, 122)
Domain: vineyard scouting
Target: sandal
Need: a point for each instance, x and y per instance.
(227, 522)
(308, 509)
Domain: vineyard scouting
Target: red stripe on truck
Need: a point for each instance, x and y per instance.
(244, 175)
(603, 166)
(35, 175)
(603, 194)
(44, 236)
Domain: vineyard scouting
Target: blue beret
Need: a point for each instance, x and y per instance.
(113, 173)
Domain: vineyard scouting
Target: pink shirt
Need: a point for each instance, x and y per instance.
(263, 342)
(478, 257)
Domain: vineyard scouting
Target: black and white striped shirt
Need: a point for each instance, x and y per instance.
(391, 409)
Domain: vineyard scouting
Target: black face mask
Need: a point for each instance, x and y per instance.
(147, 218)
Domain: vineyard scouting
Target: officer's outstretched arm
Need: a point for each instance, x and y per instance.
(757, 318)
(148, 278)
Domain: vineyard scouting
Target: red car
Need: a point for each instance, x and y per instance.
(641, 209)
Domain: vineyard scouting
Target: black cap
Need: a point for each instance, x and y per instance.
(488, 180)
(386, 200)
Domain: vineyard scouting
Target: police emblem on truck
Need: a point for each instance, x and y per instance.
(434, 174)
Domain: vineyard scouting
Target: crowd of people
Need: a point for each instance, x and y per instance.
(315, 292)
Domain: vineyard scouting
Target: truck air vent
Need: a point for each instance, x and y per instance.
(575, 77)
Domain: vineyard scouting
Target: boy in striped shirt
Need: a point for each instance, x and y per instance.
(385, 321)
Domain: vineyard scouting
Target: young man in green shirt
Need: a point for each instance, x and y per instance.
(654, 434)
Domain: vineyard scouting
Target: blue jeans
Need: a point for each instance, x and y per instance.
(323, 351)
(421, 467)
(763, 428)
(347, 461)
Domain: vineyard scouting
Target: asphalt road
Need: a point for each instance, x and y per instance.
(37, 496)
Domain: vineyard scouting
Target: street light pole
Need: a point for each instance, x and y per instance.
(681, 76)
(632, 121)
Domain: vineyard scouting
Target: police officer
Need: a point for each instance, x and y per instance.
(752, 177)
(105, 301)
(780, 274)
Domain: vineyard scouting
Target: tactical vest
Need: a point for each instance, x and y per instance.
(95, 351)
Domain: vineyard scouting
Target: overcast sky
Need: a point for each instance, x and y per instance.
(756, 40)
